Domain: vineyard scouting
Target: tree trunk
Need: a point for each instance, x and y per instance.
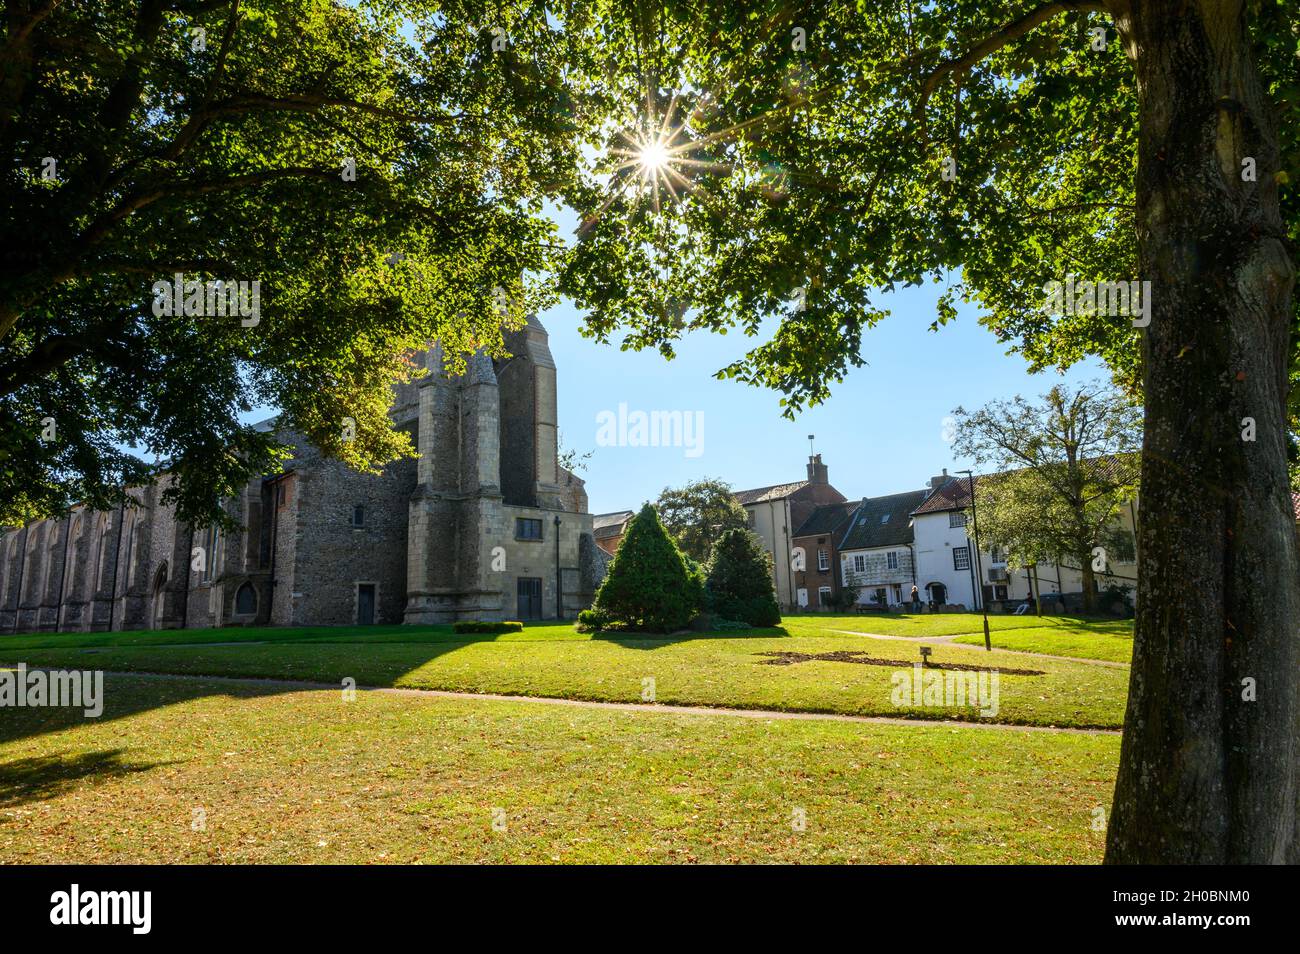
(1089, 582)
(1206, 774)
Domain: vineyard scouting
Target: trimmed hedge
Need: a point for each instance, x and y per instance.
(482, 626)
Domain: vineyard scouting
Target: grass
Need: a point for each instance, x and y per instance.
(1109, 640)
(286, 776)
(940, 624)
(725, 670)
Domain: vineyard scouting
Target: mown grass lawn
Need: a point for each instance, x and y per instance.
(291, 776)
(1110, 640)
(554, 660)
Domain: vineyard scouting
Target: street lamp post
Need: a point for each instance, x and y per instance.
(978, 563)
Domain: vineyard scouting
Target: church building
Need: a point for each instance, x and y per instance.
(485, 524)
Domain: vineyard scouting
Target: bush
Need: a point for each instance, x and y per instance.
(482, 626)
(591, 621)
(650, 584)
(740, 580)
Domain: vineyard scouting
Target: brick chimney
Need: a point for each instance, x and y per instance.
(817, 471)
(937, 482)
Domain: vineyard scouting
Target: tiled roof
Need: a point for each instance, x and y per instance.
(829, 518)
(617, 518)
(764, 494)
(883, 521)
(955, 494)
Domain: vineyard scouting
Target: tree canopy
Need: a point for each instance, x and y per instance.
(1068, 464)
(376, 168)
(698, 513)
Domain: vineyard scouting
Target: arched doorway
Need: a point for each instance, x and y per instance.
(246, 600)
(159, 594)
(938, 593)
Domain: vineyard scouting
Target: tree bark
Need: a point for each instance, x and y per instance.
(1206, 775)
(1088, 580)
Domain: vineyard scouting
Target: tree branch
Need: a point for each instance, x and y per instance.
(995, 41)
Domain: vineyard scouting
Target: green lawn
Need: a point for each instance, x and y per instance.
(554, 660)
(302, 776)
(941, 624)
(1110, 640)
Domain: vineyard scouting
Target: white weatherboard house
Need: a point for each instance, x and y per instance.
(876, 549)
(950, 571)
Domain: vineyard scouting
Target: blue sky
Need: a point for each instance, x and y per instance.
(881, 432)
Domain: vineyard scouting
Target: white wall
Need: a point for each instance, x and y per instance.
(935, 540)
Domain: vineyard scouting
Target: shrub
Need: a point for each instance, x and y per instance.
(650, 585)
(591, 621)
(740, 580)
(483, 626)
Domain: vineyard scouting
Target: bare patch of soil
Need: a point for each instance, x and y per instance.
(788, 658)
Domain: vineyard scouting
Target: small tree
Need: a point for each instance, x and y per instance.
(1070, 465)
(650, 585)
(740, 580)
(699, 513)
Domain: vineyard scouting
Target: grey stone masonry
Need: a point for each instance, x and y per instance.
(467, 530)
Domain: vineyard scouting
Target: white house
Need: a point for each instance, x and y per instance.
(876, 549)
(951, 571)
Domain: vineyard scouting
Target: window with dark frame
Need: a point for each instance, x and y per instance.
(961, 558)
(528, 528)
(358, 515)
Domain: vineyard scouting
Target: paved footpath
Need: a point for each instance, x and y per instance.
(774, 714)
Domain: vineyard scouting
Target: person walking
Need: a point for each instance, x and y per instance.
(916, 600)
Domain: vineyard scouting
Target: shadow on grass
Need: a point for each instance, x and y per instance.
(632, 640)
(49, 776)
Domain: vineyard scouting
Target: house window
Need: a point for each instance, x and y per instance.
(898, 593)
(859, 563)
(961, 558)
(358, 516)
(891, 559)
(824, 596)
(281, 496)
(884, 518)
(528, 528)
(999, 591)
(957, 519)
(997, 556)
(823, 560)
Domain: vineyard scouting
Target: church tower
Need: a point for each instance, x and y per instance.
(483, 540)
